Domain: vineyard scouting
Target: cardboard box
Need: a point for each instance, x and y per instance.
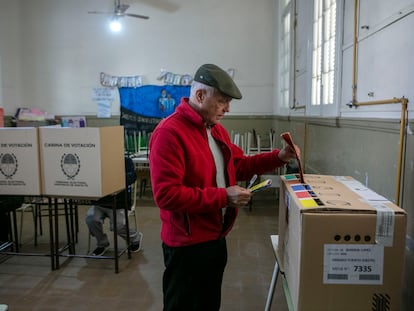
(341, 245)
(19, 161)
(82, 162)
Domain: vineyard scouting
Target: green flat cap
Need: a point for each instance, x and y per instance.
(216, 77)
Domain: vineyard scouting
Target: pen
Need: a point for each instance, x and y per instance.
(251, 182)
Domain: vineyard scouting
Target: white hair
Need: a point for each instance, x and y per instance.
(195, 86)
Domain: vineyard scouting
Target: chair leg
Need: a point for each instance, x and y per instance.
(37, 219)
(22, 210)
(19, 238)
(142, 187)
(135, 221)
(89, 243)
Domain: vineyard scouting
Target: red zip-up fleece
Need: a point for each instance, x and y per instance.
(183, 177)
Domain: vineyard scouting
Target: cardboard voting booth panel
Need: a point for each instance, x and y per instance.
(82, 162)
(19, 161)
(342, 246)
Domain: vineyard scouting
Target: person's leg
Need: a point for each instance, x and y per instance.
(4, 226)
(135, 237)
(7, 205)
(94, 220)
(193, 276)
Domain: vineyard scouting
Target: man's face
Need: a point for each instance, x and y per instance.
(214, 106)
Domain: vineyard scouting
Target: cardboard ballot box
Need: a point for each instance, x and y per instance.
(341, 245)
(82, 162)
(19, 161)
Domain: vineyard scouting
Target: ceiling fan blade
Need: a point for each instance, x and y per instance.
(136, 15)
(99, 12)
(121, 8)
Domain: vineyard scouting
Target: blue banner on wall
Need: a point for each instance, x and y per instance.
(142, 108)
(154, 101)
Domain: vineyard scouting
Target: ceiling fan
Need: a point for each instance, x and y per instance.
(120, 11)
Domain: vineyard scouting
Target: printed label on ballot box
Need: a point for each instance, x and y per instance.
(353, 264)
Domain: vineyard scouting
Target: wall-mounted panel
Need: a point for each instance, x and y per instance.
(383, 63)
(374, 13)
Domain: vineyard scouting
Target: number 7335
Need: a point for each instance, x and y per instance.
(362, 268)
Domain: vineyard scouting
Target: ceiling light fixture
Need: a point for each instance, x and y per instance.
(115, 25)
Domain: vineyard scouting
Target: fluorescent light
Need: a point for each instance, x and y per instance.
(115, 25)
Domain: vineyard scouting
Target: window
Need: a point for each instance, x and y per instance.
(324, 57)
(285, 55)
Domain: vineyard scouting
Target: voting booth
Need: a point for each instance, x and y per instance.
(19, 161)
(341, 245)
(82, 162)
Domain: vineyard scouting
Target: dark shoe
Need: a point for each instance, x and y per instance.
(136, 247)
(99, 251)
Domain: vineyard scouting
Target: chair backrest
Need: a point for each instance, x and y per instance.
(130, 174)
(130, 179)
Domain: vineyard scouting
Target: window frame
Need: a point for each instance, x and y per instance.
(285, 58)
(327, 109)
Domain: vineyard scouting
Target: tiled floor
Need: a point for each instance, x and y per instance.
(27, 282)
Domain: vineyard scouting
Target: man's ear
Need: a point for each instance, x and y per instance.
(200, 95)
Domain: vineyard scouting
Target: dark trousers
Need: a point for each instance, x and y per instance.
(4, 226)
(193, 276)
(7, 205)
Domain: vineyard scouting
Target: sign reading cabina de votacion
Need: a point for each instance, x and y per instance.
(19, 161)
(82, 162)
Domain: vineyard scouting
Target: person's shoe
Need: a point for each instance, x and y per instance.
(136, 247)
(99, 251)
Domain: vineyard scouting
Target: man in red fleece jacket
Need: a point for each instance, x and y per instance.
(194, 172)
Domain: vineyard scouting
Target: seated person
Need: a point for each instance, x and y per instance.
(4, 226)
(102, 209)
(7, 205)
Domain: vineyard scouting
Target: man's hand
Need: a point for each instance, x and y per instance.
(288, 153)
(237, 196)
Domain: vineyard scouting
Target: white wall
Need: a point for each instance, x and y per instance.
(52, 51)
(10, 59)
(384, 57)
